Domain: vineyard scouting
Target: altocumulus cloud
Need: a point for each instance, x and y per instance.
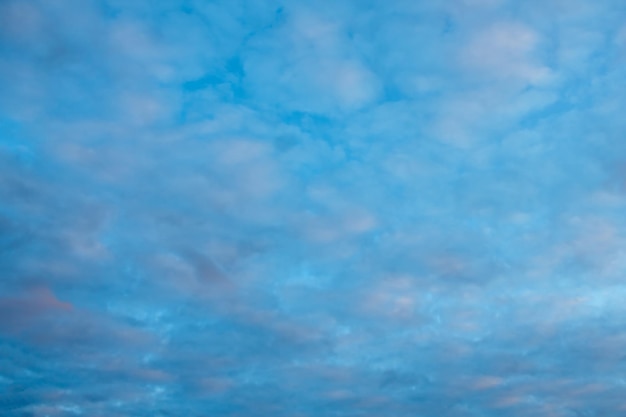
(347, 208)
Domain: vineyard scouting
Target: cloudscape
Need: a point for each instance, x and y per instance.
(340, 208)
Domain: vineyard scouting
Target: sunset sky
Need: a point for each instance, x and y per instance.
(227, 208)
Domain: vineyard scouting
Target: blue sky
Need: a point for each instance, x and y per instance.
(297, 209)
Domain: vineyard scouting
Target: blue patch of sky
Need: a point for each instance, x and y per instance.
(343, 208)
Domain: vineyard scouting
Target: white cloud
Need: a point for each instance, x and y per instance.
(313, 68)
(507, 51)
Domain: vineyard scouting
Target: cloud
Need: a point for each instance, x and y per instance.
(316, 68)
(272, 209)
(505, 50)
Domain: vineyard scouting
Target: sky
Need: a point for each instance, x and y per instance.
(296, 209)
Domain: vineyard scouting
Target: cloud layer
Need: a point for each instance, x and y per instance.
(348, 209)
